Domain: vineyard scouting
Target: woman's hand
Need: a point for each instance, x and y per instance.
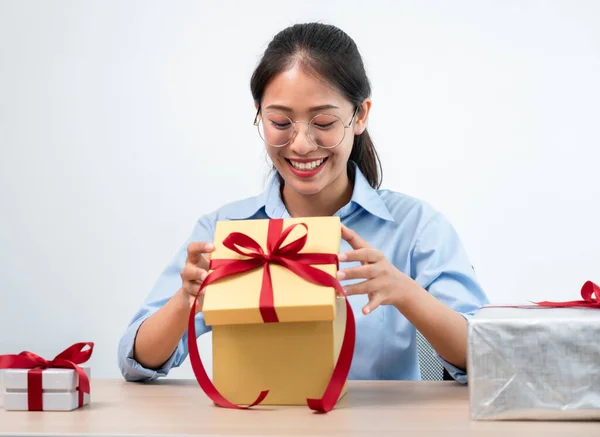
(194, 272)
(159, 335)
(384, 284)
(443, 327)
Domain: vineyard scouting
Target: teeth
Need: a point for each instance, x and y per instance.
(307, 165)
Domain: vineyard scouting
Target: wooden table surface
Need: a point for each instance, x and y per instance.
(179, 407)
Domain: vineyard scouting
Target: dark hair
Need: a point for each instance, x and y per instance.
(332, 55)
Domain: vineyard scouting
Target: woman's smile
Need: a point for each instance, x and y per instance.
(306, 168)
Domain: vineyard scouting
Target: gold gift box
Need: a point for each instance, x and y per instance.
(294, 357)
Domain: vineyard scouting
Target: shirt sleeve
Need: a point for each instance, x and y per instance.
(441, 266)
(166, 286)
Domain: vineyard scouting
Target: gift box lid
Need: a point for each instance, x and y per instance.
(52, 379)
(235, 299)
(534, 314)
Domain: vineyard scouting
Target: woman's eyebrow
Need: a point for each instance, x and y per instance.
(320, 108)
(279, 108)
(313, 109)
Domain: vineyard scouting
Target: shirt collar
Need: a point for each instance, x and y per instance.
(367, 197)
(363, 196)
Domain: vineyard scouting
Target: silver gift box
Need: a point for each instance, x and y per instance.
(534, 364)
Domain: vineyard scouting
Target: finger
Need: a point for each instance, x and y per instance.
(364, 255)
(195, 251)
(192, 288)
(367, 271)
(359, 288)
(204, 262)
(364, 287)
(192, 273)
(374, 301)
(353, 238)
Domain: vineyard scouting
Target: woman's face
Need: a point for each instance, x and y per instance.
(305, 167)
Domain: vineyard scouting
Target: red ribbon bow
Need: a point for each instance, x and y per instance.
(67, 359)
(288, 256)
(590, 293)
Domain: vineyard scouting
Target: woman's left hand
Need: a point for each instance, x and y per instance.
(384, 284)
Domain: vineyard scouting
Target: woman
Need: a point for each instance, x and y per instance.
(401, 263)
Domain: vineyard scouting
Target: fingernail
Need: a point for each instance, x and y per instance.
(342, 257)
(209, 246)
(341, 275)
(366, 311)
(203, 276)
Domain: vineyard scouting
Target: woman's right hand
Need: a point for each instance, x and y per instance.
(194, 272)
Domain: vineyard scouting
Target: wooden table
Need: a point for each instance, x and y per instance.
(179, 407)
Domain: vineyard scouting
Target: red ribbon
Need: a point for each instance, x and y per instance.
(289, 257)
(590, 293)
(67, 359)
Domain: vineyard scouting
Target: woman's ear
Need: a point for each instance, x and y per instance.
(362, 116)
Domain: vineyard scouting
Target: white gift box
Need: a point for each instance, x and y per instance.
(60, 389)
(534, 364)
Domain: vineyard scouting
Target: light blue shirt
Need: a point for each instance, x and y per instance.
(414, 237)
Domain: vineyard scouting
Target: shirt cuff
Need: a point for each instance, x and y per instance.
(134, 371)
(457, 374)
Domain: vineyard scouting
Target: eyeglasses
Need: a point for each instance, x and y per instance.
(324, 130)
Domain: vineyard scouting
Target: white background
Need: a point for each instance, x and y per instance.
(121, 122)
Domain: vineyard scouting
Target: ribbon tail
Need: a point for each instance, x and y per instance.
(570, 304)
(35, 393)
(76, 352)
(341, 369)
(200, 372)
(84, 384)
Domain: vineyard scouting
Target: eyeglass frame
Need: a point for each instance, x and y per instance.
(257, 121)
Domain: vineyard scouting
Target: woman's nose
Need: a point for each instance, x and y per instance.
(301, 143)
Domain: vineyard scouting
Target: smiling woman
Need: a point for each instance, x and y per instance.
(314, 74)
(401, 264)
